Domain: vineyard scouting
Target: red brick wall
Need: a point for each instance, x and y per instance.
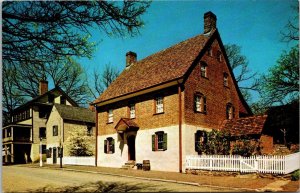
(267, 144)
(217, 95)
(144, 110)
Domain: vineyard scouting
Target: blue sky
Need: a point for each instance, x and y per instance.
(253, 25)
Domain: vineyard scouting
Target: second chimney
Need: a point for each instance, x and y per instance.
(43, 87)
(210, 22)
(130, 58)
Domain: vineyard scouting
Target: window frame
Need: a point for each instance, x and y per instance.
(225, 79)
(159, 141)
(159, 105)
(55, 130)
(200, 138)
(203, 69)
(209, 51)
(132, 111)
(229, 111)
(45, 136)
(109, 145)
(110, 116)
(200, 103)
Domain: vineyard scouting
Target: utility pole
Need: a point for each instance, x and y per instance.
(41, 153)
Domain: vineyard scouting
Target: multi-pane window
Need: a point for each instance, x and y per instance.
(55, 130)
(110, 116)
(42, 133)
(8, 132)
(109, 145)
(200, 141)
(159, 105)
(229, 111)
(89, 131)
(200, 103)
(225, 79)
(159, 141)
(132, 111)
(203, 69)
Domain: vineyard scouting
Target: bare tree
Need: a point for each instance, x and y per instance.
(100, 81)
(291, 32)
(242, 73)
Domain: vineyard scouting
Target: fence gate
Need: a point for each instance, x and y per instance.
(248, 164)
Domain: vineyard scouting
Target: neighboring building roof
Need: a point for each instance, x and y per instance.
(75, 113)
(245, 126)
(36, 99)
(161, 67)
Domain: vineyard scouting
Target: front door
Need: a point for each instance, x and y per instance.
(54, 156)
(131, 147)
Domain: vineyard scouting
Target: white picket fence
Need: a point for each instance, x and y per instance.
(84, 161)
(261, 164)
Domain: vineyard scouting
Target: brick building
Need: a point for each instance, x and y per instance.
(154, 108)
(30, 125)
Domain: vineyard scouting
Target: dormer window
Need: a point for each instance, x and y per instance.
(225, 79)
(203, 69)
(229, 111)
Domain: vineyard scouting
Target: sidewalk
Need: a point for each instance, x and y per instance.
(242, 183)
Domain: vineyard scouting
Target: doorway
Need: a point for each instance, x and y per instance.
(54, 155)
(131, 147)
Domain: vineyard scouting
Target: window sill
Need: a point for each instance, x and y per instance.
(200, 112)
(159, 113)
(226, 86)
(109, 122)
(132, 118)
(205, 77)
(160, 150)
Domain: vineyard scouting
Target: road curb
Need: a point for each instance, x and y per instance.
(149, 179)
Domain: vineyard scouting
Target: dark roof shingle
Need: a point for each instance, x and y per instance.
(75, 113)
(244, 126)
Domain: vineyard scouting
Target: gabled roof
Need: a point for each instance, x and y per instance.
(168, 65)
(36, 99)
(253, 125)
(75, 113)
(161, 67)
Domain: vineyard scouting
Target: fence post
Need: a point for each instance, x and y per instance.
(240, 159)
(256, 164)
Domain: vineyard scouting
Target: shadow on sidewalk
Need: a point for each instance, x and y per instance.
(101, 187)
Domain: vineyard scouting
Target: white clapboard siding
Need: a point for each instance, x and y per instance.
(262, 164)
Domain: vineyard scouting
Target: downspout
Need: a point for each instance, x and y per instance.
(180, 129)
(96, 146)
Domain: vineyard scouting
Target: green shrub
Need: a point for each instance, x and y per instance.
(295, 175)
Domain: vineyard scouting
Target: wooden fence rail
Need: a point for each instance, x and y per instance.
(261, 164)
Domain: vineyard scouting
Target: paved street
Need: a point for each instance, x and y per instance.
(23, 179)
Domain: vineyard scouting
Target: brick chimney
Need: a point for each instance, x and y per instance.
(130, 58)
(210, 22)
(43, 87)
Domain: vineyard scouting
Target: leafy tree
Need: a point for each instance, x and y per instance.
(79, 144)
(239, 65)
(281, 84)
(244, 146)
(218, 143)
